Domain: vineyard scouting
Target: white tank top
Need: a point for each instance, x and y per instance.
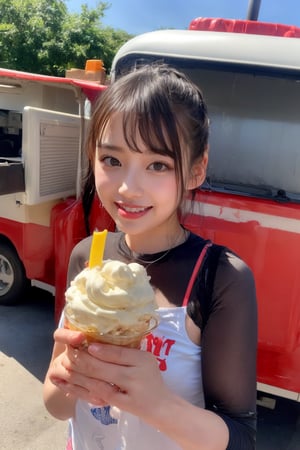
(95, 428)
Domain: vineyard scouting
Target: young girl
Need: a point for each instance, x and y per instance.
(194, 388)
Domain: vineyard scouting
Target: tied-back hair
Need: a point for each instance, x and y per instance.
(163, 107)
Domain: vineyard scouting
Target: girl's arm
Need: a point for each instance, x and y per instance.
(229, 346)
(59, 404)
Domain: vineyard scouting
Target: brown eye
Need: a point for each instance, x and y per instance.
(158, 167)
(110, 161)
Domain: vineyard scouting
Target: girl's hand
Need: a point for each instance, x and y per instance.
(60, 371)
(130, 379)
(107, 374)
(68, 337)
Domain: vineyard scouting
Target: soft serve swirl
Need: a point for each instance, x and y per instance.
(112, 298)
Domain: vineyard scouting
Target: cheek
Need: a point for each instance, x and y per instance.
(167, 190)
(103, 183)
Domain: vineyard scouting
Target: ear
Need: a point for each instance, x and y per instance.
(198, 172)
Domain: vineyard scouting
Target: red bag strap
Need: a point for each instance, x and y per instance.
(195, 273)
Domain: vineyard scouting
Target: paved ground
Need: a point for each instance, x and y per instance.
(25, 347)
(25, 425)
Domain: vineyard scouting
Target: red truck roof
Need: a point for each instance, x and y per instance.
(244, 26)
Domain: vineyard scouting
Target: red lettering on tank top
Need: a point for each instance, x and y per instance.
(160, 348)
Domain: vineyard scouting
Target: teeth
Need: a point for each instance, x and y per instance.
(128, 209)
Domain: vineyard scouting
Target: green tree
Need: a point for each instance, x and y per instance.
(41, 36)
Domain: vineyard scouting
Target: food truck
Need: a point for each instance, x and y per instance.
(43, 123)
(249, 73)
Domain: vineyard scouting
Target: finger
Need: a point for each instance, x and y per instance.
(79, 367)
(79, 392)
(82, 368)
(79, 385)
(77, 359)
(73, 353)
(117, 354)
(69, 337)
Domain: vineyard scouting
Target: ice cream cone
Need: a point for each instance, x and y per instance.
(113, 303)
(132, 340)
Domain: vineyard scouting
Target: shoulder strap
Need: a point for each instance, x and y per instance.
(207, 278)
(203, 276)
(196, 270)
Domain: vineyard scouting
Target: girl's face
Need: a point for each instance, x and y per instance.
(139, 190)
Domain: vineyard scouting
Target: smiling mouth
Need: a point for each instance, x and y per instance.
(133, 209)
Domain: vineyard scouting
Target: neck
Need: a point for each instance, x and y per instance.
(144, 256)
(156, 243)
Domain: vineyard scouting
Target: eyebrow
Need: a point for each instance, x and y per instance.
(117, 148)
(107, 146)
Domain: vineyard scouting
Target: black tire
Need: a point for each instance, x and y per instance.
(13, 281)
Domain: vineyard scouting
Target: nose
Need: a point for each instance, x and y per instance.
(131, 185)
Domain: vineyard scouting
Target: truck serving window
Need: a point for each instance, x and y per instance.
(11, 167)
(10, 134)
(255, 132)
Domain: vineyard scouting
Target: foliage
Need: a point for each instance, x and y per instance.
(41, 36)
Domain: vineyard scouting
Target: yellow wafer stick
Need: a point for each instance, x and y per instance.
(97, 248)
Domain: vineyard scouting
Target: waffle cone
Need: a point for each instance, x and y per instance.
(126, 340)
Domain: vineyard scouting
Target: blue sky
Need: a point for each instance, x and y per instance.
(139, 16)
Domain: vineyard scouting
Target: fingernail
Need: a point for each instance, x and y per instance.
(95, 349)
(58, 381)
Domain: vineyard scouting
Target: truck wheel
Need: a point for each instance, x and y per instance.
(13, 281)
